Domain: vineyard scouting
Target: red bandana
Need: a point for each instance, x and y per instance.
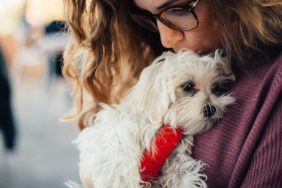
(165, 142)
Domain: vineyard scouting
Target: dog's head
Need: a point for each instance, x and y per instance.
(184, 89)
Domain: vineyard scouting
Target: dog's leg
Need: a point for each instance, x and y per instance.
(110, 151)
(192, 176)
(181, 170)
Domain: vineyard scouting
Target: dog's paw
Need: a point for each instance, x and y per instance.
(193, 176)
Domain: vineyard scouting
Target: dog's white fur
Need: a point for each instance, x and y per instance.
(112, 146)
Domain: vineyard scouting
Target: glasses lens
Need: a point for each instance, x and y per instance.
(179, 19)
(145, 22)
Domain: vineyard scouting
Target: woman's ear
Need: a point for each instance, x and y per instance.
(150, 95)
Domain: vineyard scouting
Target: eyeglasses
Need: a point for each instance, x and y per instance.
(178, 17)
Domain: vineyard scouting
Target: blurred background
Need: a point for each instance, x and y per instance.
(36, 149)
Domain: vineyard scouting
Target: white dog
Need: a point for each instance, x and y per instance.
(185, 91)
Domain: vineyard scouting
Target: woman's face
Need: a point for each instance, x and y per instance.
(202, 40)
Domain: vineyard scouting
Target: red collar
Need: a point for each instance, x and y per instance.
(165, 142)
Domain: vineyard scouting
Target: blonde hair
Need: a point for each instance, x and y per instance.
(248, 27)
(108, 50)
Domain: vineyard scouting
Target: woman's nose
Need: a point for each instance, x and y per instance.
(169, 37)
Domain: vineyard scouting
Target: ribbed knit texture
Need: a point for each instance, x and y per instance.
(245, 148)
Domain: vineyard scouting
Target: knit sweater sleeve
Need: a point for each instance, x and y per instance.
(265, 165)
(261, 153)
(245, 148)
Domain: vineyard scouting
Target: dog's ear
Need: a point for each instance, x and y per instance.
(150, 95)
(222, 65)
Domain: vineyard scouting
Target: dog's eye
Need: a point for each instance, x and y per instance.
(221, 87)
(188, 86)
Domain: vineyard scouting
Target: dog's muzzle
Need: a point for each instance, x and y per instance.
(209, 110)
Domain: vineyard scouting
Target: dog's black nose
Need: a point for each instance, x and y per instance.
(209, 110)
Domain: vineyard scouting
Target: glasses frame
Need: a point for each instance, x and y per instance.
(154, 17)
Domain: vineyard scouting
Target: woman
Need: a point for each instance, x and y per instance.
(114, 40)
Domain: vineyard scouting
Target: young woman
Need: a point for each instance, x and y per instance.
(114, 40)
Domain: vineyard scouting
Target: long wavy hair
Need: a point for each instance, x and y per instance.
(108, 50)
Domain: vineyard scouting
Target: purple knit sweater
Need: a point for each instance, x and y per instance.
(245, 148)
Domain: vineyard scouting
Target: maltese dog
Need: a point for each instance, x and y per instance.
(185, 92)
